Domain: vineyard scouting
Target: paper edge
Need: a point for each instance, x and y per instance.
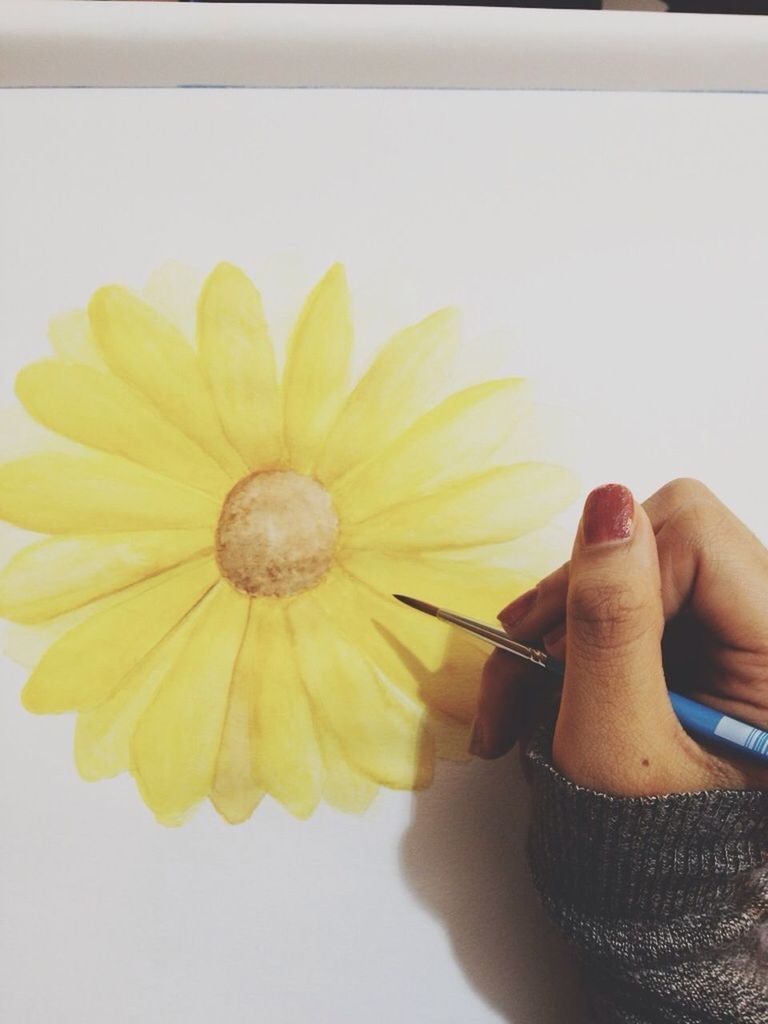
(76, 43)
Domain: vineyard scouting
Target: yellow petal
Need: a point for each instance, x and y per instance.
(71, 339)
(60, 493)
(236, 790)
(464, 587)
(536, 553)
(99, 410)
(467, 586)
(400, 385)
(317, 368)
(172, 290)
(459, 436)
(177, 740)
(451, 737)
(150, 354)
(286, 756)
(239, 365)
(380, 731)
(484, 509)
(57, 575)
(87, 664)
(345, 789)
(13, 540)
(103, 736)
(27, 644)
(21, 436)
(424, 658)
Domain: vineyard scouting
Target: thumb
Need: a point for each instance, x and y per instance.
(616, 729)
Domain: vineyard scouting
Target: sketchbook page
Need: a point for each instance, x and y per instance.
(608, 248)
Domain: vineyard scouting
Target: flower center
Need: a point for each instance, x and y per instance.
(276, 533)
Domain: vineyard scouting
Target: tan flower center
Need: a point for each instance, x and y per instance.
(276, 533)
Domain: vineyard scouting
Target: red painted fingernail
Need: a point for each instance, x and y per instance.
(518, 608)
(608, 514)
(477, 739)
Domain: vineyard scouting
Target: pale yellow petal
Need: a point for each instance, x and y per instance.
(55, 576)
(87, 664)
(451, 737)
(20, 435)
(286, 753)
(464, 587)
(424, 658)
(177, 740)
(147, 352)
(13, 540)
(345, 788)
(60, 493)
(71, 339)
(317, 369)
(458, 437)
(379, 729)
(99, 410)
(27, 644)
(103, 736)
(535, 553)
(470, 587)
(407, 374)
(236, 790)
(239, 365)
(488, 508)
(172, 290)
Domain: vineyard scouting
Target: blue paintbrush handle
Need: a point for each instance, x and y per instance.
(704, 723)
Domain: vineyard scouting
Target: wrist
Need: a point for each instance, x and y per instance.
(635, 857)
(656, 759)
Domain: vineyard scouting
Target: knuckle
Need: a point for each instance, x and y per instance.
(703, 526)
(700, 525)
(606, 614)
(684, 490)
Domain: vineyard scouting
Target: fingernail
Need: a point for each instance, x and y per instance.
(477, 739)
(518, 608)
(608, 514)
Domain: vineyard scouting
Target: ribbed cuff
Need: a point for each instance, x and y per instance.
(640, 858)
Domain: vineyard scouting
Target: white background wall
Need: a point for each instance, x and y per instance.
(612, 247)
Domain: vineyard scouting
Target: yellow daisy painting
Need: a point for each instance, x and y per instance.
(217, 540)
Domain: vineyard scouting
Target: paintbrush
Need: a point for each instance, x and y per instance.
(699, 720)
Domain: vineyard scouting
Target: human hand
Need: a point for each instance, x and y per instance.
(671, 592)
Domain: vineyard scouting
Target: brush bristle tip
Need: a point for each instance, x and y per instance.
(421, 606)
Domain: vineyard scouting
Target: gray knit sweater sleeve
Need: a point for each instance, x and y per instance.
(666, 898)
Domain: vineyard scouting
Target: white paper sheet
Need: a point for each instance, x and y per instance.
(610, 247)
